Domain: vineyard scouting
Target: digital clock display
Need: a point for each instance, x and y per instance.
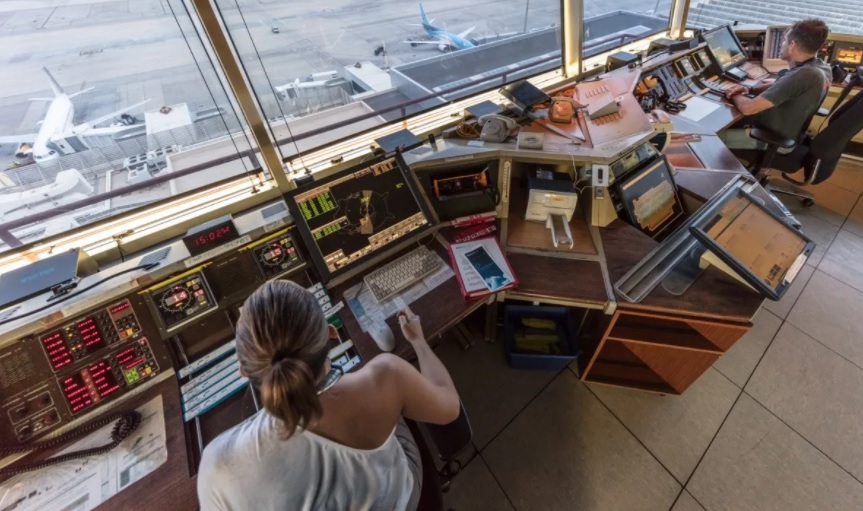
(210, 237)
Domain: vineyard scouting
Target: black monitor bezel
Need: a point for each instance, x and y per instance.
(736, 39)
(306, 234)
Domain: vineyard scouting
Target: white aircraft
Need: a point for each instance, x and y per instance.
(57, 134)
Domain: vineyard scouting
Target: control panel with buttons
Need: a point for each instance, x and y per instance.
(51, 378)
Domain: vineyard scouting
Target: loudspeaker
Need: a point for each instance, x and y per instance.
(38, 277)
(620, 59)
(670, 45)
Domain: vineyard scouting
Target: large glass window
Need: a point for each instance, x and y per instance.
(610, 24)
(841, 16)
(106, 107)
(324, 71)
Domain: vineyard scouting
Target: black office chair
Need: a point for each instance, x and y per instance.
(817, 156)
(450, 441)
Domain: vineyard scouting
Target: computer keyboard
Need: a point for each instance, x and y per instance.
(754, 71)
(717, 86)
(388, 280)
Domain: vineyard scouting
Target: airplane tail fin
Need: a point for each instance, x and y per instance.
(54, 85)
(423, 15)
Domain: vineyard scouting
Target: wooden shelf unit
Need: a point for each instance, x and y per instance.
(657, 352)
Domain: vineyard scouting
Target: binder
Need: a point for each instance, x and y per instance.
(481, 268)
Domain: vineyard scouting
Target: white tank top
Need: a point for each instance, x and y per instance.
(249, 467)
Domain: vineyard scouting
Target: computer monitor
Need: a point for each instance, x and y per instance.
(348, 218)
(649, 197)
(725, 47)
(755, 243)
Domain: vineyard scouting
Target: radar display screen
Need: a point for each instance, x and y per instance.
(725, 47)
(346, 218)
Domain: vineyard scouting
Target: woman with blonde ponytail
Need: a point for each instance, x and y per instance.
(323, 440)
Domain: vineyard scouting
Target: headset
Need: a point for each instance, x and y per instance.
(495, 128)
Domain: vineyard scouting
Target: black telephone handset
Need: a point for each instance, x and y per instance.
(127, 422)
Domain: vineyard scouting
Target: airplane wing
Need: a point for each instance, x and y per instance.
(88, 126)
(426, 41)
(18, 139)
(466, 32)
(110, 130)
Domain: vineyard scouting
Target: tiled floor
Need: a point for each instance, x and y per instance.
(777, 423)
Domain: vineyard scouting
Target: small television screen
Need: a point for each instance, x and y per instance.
(649, 197)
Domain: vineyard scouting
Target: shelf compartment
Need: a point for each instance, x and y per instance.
(676, 332)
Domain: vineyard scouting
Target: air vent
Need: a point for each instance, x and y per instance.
(155, 257)
(273, 210)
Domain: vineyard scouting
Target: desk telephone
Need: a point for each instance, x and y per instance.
(126, 423)
(495, 128)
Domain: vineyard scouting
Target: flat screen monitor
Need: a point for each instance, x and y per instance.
(755, 243)
(725, 47)
(649, 197)
(348, 218)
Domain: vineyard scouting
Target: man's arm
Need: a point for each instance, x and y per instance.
(751, 106)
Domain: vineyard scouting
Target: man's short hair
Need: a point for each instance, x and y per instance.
(810, 35)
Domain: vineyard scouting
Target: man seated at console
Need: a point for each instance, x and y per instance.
(323, 440)
(783, 106)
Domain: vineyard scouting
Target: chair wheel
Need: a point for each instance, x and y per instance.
(808, 203)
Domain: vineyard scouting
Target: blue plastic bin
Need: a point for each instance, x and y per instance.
(512, 315)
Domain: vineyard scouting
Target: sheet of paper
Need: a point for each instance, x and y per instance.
(369, 311)
(81, 485)
(698, 108)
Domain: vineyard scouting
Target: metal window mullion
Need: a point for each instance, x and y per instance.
(572, 41)
(228, 61)
(677, 20)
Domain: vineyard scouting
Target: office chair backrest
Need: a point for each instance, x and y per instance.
(827, 147)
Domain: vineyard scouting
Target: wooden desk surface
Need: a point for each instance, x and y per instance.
(565, 280)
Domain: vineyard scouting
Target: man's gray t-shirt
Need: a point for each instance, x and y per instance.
(796, 95)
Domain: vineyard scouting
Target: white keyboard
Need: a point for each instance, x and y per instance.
(387, 281)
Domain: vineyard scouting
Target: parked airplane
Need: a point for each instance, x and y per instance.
(57, 134)
(445, 41)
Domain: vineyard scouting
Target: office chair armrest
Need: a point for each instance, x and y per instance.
(772, 139)
(451, 439)
(822, 112)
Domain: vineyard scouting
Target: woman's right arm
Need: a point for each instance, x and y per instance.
(427, 395)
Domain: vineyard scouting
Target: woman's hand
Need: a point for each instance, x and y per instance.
(411, 327)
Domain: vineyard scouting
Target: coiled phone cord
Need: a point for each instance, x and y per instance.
(127, 422)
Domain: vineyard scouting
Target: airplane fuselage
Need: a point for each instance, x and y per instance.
(460, 43)
(58, 120)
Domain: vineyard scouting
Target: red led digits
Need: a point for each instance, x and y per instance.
(55, 348)
(76, 393)
(90, 334)
(119, 308)
(103, 379)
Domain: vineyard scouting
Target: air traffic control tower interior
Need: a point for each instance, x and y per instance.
(646, 295)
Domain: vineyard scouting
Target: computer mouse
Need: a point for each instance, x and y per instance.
(383, 336)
